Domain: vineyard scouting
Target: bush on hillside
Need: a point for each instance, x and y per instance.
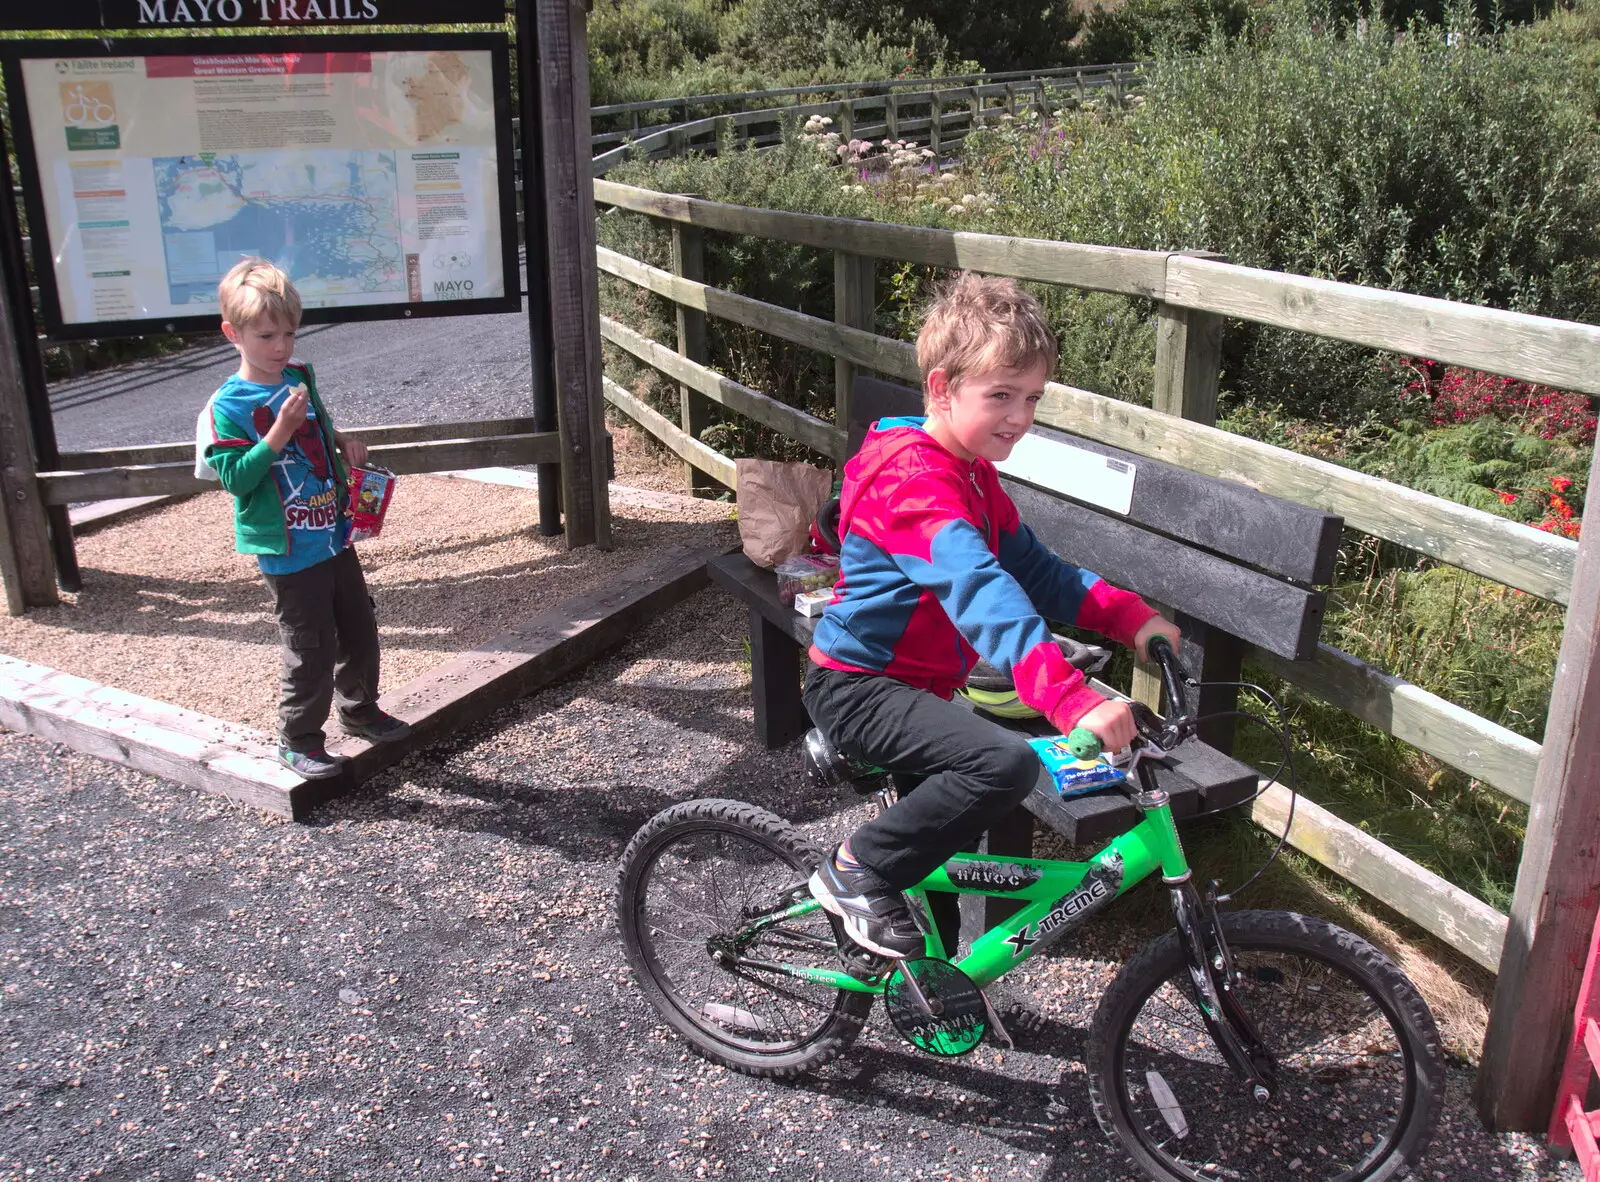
(1141, 29)
(1462, 170)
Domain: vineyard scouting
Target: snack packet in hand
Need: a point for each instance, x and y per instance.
(371, 489)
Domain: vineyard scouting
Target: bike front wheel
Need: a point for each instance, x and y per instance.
(702, 899)
(1360, 1079)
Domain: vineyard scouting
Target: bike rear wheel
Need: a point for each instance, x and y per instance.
(693, 880)
(1360, 1077)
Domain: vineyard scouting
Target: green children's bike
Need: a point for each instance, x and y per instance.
(1249, 1045)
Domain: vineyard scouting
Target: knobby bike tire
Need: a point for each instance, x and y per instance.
(697, 871)
(1303, 976)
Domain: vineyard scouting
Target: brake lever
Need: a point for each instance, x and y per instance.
(1157, 731)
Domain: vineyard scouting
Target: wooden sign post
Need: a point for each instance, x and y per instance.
(1558, 883)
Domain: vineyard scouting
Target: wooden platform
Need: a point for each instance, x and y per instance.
(239, 763)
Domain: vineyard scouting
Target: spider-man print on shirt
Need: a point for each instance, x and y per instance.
(312, 510)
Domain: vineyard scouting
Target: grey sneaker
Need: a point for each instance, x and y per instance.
(875, 914)
(310, 765)
(380, 728)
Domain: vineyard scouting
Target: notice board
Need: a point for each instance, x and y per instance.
(377, 171)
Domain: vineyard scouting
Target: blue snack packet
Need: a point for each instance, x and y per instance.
(1074, 776)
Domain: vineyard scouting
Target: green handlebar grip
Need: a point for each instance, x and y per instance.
(1083, 743)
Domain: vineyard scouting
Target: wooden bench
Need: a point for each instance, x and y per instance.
(1238, 567)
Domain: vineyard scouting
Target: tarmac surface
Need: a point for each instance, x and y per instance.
(433, 370)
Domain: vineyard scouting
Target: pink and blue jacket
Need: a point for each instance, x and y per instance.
(937, 568)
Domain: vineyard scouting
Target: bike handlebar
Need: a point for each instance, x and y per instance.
(1167, 734)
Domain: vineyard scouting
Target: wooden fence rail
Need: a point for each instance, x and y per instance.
(1531, 348)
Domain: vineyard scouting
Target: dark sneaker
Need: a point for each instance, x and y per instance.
(875, 915)
(381, 728)
(310, 765)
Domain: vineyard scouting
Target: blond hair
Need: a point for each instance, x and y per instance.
(256, 288)
(978, 323)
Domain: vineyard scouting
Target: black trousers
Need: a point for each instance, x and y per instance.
(330, 648)
(973, 772)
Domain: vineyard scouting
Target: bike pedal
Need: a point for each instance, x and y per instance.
(997, 1027)
(861, 963)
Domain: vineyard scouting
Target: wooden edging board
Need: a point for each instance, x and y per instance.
(152, 736)
(237, 762)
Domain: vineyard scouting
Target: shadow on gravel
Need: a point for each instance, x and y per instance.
(1032, 1116)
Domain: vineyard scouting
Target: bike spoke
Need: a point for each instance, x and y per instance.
(706, 890)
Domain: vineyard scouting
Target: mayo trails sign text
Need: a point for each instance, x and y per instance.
(257, 14)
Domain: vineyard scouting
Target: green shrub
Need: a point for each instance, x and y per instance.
(1139, 29)
(1469, 171)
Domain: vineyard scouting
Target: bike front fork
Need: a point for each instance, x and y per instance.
(1212, 977)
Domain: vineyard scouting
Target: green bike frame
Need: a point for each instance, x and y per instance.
(1057, 897)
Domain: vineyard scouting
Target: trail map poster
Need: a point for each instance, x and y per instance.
(378, 177)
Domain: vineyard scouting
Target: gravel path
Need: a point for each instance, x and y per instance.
(424, 981)
(169, 610)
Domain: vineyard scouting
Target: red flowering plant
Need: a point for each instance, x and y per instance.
(1457, 395)
(1497, 443)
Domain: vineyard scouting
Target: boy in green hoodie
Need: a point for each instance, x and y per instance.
(267, 437)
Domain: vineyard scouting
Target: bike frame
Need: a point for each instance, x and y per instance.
(1057, 896)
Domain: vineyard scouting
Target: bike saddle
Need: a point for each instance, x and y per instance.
(1090, 658)
(828, 767)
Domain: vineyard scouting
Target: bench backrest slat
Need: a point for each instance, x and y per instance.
(1231, 519)
(1277, 615)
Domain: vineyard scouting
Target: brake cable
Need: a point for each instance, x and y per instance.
(1282, 732)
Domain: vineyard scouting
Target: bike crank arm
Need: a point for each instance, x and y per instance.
(1210, 976)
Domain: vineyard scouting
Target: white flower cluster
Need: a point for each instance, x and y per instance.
(906, 153)
(973, 203)
(826, 141)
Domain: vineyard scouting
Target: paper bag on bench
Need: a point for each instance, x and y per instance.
(777, 503)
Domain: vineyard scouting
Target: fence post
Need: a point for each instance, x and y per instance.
(847, 120)
(935, 125)
(977, 109)
(1082, 94)
(891, 115)
(573, 280)
(1553, 910)
(855, 305)
(1188, 369)
(694, 408)
(1011, 99)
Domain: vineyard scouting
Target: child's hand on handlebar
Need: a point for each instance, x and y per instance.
(1112, 723)
(1153, 627)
